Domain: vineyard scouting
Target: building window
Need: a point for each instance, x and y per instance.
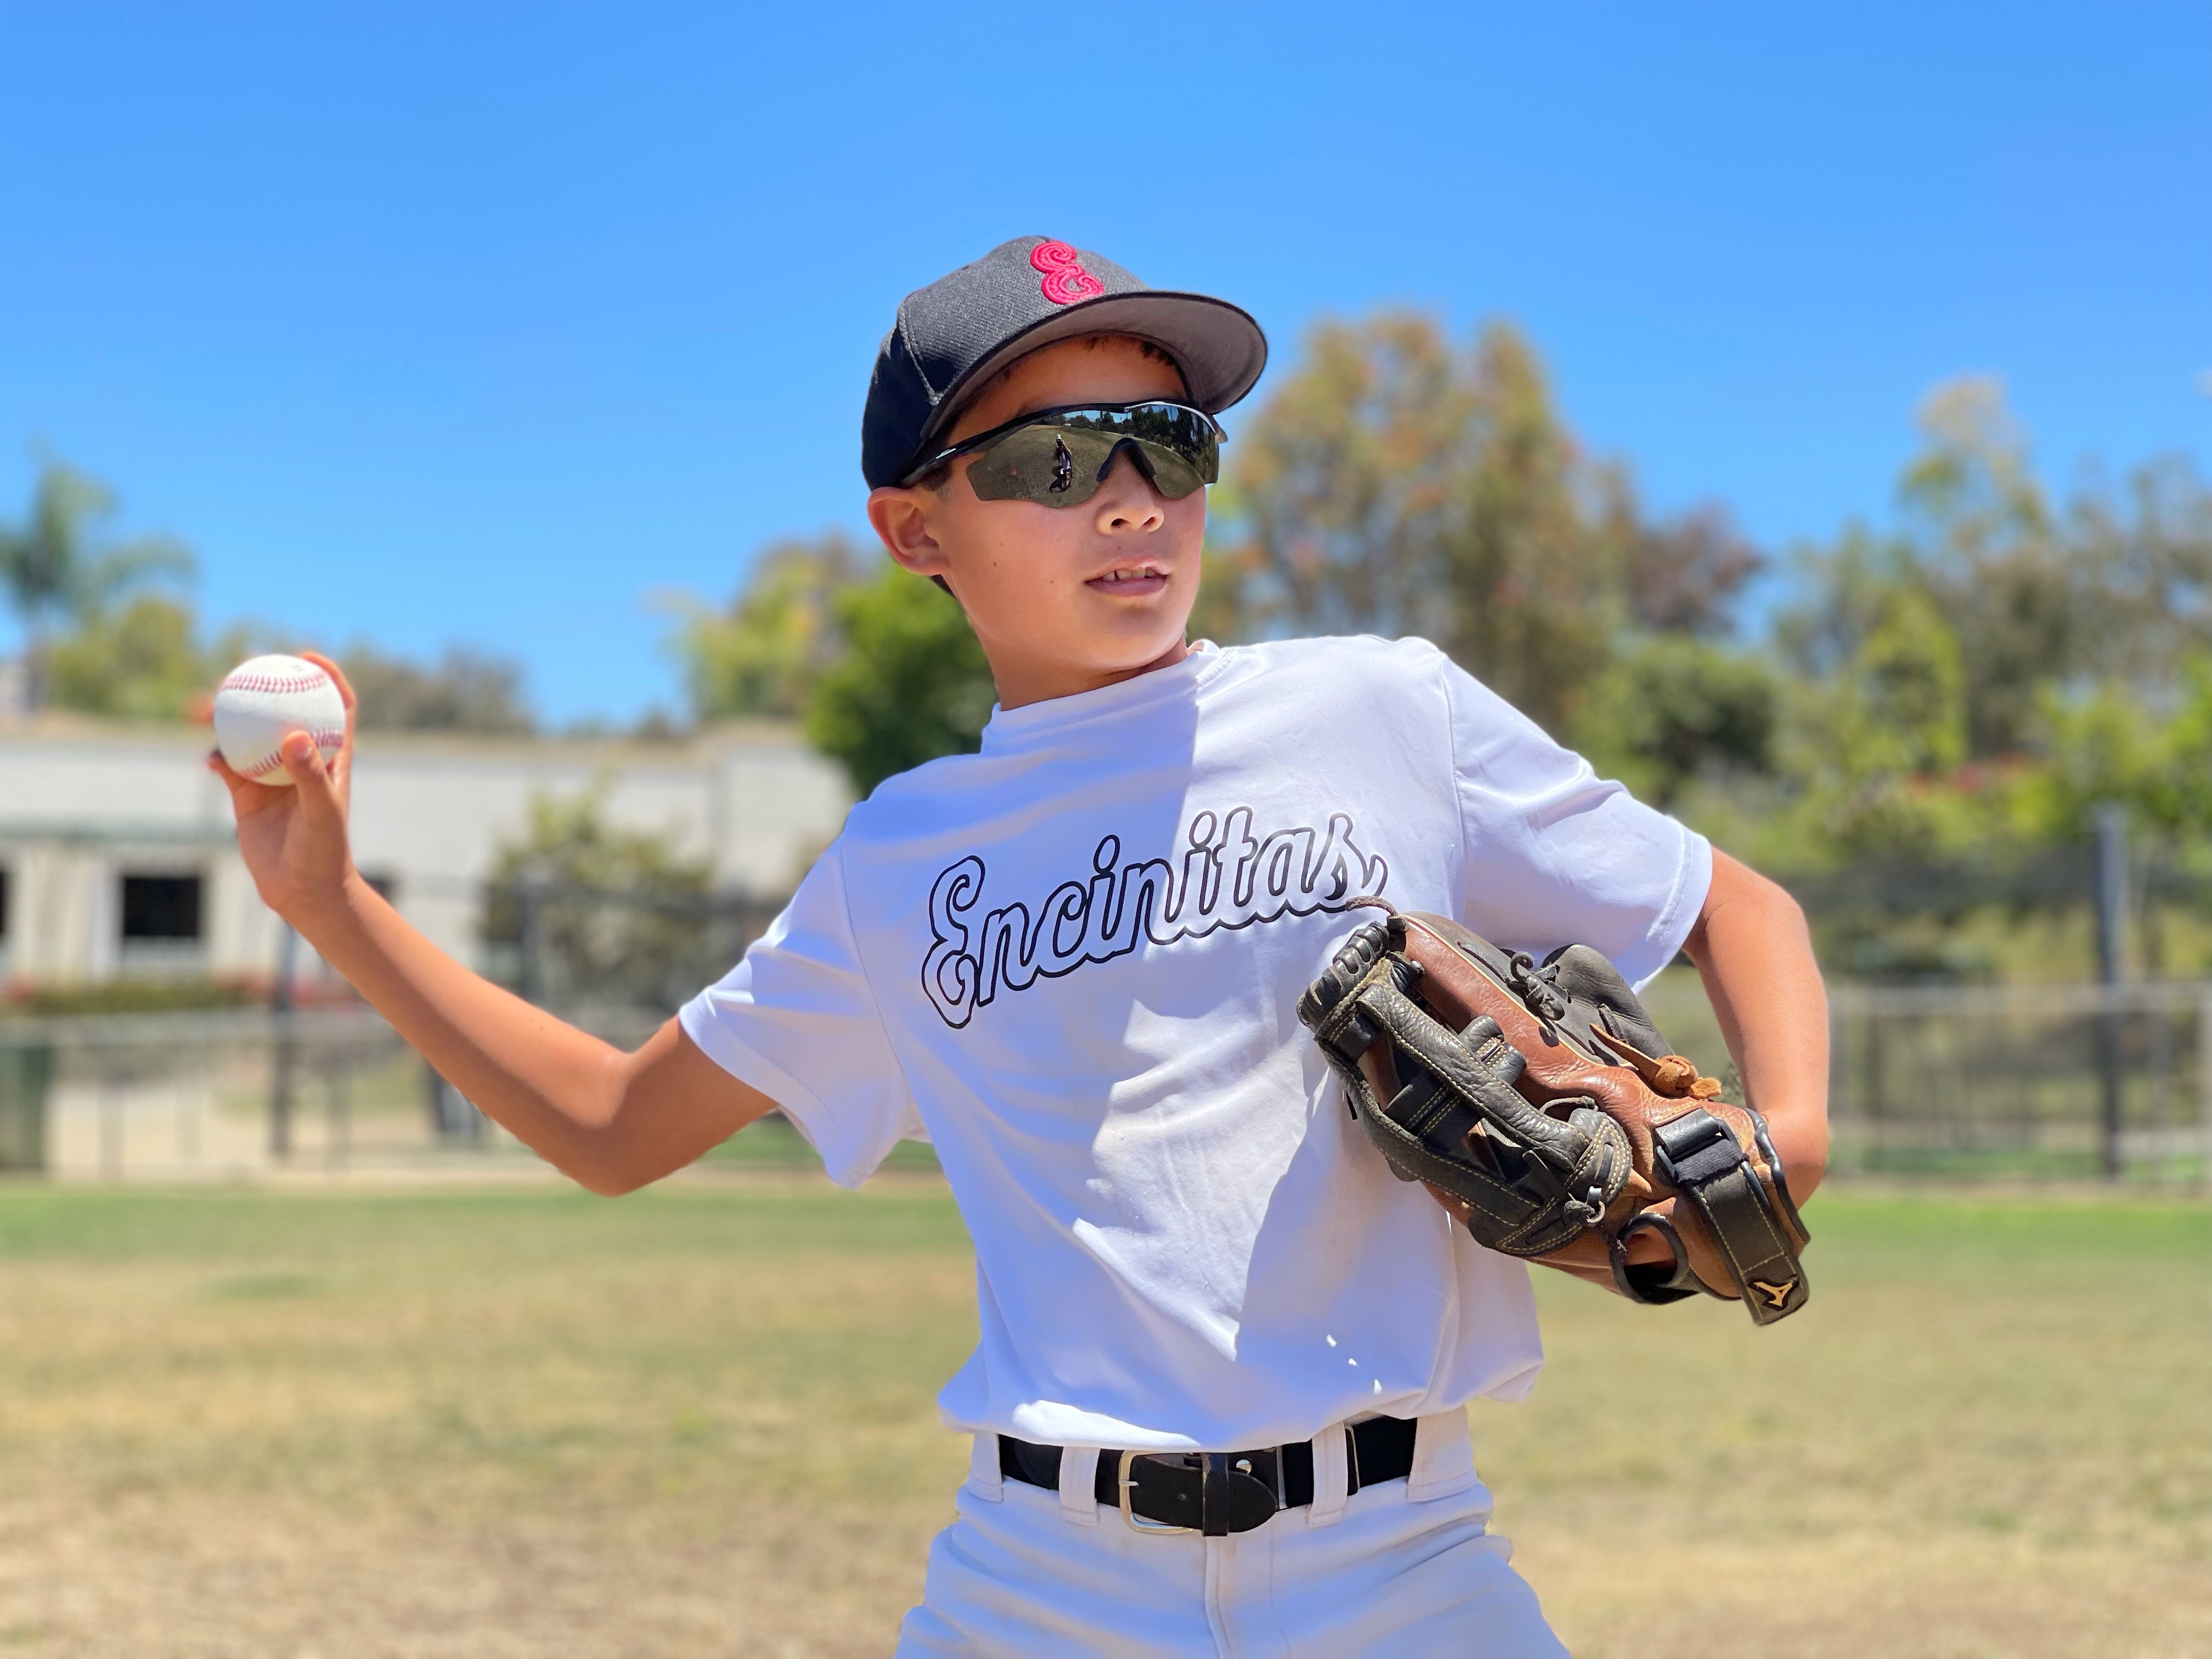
(162, 924)
(162, 908)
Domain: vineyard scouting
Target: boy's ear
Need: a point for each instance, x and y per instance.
(904, 521)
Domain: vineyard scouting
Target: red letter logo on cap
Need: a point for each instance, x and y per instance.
(1066, 281)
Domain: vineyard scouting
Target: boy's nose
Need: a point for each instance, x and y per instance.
(1127, 503)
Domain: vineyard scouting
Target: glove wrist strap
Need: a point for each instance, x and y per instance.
(1695, 1154)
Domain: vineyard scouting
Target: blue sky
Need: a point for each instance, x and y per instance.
(484, 322)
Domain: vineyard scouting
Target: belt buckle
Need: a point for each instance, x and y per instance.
(1138, 1522)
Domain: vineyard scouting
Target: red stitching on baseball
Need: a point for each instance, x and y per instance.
(273, 683)
(1066, 281)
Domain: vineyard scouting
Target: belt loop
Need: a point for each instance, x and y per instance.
(1078, 1484)
(1443, 1456)
(983, 1477)
(1332, 1451)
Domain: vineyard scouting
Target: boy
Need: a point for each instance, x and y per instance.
(1073, 961)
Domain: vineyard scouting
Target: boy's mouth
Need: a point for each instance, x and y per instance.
(1131, 580)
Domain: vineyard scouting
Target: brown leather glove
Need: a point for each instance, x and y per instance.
(1541, 1106)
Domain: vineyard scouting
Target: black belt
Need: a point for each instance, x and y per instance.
(1217, 1493)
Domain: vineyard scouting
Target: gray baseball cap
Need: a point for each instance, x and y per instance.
(965, 327)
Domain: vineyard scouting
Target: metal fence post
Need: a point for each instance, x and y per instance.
(2204, 1090)
(530, 895)
(111, 1122)
(284, 1058)
(339, 1152)
(2112, 947)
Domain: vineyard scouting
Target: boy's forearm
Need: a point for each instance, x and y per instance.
(560, 1090)
(1755, 956)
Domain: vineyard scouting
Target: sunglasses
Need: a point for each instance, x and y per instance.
(1058, 457)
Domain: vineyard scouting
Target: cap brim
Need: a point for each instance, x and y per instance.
(1219, 347)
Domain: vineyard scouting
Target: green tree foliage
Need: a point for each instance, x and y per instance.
(1351, 479)
(464, 690)
(61, 567)
(1672, 708)
(767, 653)
(881, 667)
(1536, 570)
(1397, 484)
(1982, 675)
(595, 911)
(1872, 745)
(143, 660)
(2104, 741)
(911, 684)
(2114, 586)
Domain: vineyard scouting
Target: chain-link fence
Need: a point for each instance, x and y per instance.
(2024, 1081)
(2001, 1082)
(238, 1092)
(1990, 1082)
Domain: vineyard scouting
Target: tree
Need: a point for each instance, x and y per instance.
(1349, 479)
(2113, 585)
(1673, 708)
(1535, 568)
(882, 668)
(466, 690)
(596, 912)
(1684, 574)
(144, 661)
(912, 684)
(60, 567)
(766, 653)
(1395, 484)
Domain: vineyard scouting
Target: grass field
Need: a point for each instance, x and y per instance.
(698, 1422)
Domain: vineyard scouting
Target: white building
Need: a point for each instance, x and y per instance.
(117, 854)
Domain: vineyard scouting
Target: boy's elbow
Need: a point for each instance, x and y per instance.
(603, 1185)
(605, 1178)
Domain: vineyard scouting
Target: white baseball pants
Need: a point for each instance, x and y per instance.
(1407, 1569)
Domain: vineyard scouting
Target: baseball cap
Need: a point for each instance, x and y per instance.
(966, 326)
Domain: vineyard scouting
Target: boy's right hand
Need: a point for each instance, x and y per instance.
(293, 840)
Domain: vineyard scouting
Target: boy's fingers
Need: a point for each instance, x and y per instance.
(338, 679)
(244, 792)
(342, 768)
(319, 796)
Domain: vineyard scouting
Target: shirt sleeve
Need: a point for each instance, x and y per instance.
(797, 1020)
(1556, 855)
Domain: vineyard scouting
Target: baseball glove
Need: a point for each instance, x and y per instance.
(1541, 1105)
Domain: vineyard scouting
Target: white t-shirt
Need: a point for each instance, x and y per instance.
(1072, 962)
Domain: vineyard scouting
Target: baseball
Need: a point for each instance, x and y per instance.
(264, 697)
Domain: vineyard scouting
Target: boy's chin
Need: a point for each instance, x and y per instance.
(1141, 625)
(1132, 655)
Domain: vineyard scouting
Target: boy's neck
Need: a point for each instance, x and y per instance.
(1020, 685)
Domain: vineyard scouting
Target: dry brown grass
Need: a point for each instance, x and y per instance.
(1989, 1434)
(524, 1423)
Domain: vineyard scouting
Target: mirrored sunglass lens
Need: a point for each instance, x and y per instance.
(1057, 462)
(1046, 465)
(1183, 431)
(1172, 475)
